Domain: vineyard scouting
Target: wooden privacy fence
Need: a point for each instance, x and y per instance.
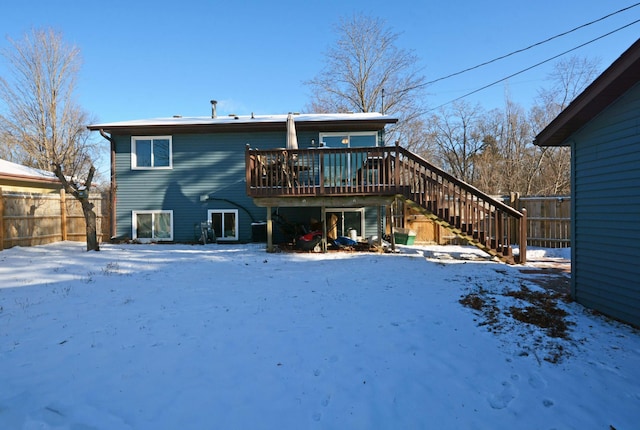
(548, 222)
(28, 219)
(548, 219)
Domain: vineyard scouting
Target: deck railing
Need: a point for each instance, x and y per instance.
(320, 172)
(387, 171)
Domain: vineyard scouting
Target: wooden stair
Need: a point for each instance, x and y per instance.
(462, 209)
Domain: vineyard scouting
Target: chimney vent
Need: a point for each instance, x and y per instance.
(214, 113)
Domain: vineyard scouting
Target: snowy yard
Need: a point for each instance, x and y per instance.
(230, 337)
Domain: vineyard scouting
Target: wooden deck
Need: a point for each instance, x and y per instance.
(355, 177)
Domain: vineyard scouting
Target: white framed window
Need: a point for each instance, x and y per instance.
(341, 220)
(151, 152)
(224, 223)
(350, 140)
(152, 226)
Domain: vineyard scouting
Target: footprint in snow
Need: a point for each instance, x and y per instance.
(537, 381)
(504, 397)
(326, 400)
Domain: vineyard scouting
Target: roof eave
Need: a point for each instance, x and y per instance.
(26, 178)
(622, 75)
(329, 125)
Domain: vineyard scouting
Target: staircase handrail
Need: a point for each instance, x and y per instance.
(466, 186)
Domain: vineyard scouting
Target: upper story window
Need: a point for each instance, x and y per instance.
(151, 152)
(350, 140)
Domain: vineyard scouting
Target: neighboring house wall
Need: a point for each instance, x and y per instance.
(606, 211)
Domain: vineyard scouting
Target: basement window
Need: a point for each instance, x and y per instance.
(224, 223)
(152, 226)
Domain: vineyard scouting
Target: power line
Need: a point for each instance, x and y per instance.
(529, 47)
(517, 51)
(535, 65)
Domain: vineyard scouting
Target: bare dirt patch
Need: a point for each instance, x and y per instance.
(541, 309)
(536, 314)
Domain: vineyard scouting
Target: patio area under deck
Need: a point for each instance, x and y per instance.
(322, 202)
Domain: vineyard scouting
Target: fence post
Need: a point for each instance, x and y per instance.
(1, 220)
(63, 215)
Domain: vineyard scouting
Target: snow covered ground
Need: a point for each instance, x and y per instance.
(230, 337)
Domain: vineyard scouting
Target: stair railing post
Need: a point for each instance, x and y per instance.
(523, 237)
(396, 166)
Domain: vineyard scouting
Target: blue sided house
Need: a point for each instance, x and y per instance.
(169, 175)
(286, 178)
(602, 128)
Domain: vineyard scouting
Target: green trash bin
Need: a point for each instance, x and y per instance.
(404, 236)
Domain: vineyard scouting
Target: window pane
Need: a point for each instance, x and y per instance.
(352, 220)
(161, 152)
(162, 226)
(335, 224)
(143, 227)
(216, 223)
(335, 141)
(143, 153)
(229, 224)
(363, 141)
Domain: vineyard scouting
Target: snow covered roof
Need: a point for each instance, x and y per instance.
(373, 120)
(17, 171)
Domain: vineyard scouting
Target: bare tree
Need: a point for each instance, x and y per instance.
(42, 118)
(568, 78)
(366, 72)
(508, 162)
(456, 138)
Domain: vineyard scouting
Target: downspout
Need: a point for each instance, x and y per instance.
(113, 187)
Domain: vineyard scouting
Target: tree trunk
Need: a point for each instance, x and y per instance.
(90, 220)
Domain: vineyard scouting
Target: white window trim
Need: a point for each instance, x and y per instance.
(134, 226)
(134, 160)
(219, 238)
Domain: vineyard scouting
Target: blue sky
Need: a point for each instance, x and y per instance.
(146, 59)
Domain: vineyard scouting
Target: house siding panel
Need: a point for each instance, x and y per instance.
(606, 231)
(202, 165)
(210, 165)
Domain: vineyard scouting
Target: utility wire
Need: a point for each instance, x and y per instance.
(424, 84)
(530, 46)
(535, 65)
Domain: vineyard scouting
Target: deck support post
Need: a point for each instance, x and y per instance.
(323, 215)
(380, 226)
(391, 222)
(269, 231)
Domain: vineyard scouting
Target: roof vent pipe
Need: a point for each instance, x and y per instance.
(214, 114)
